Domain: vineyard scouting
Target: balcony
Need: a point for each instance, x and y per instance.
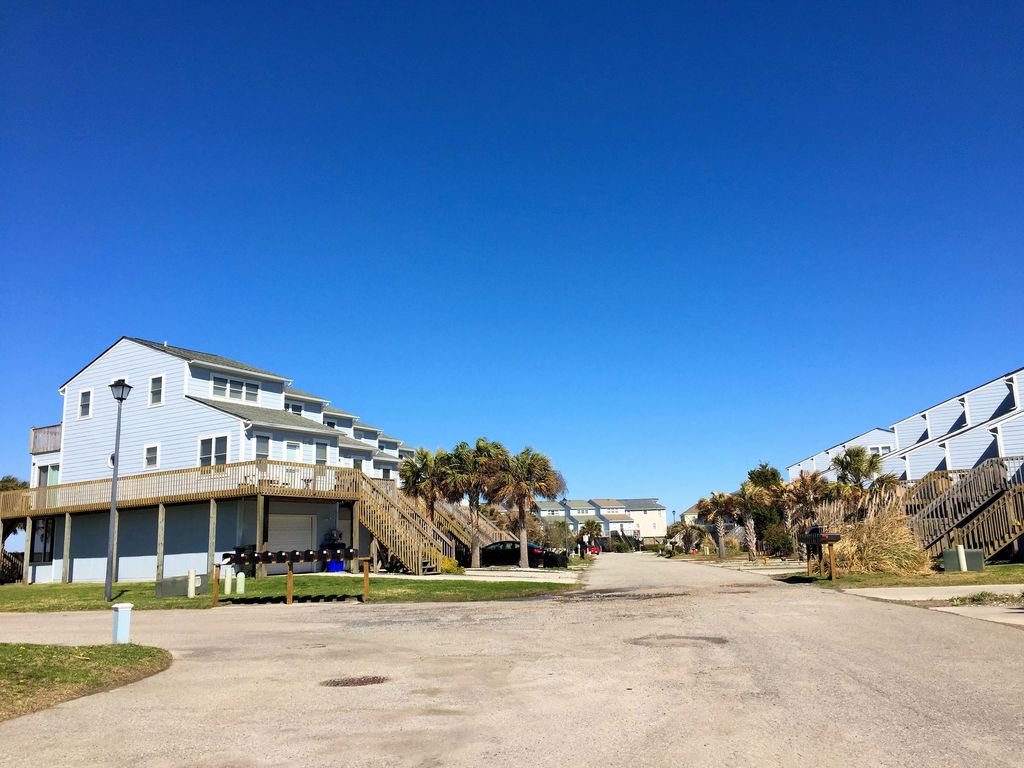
(182, 486)
(44, 439)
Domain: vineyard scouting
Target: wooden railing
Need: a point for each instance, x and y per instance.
(996, 527)
(176, 486)
(45, 439)
(929, 489)
(408, 507)
(11, 566)
(403, 534)
(489, 532)
(935, 523)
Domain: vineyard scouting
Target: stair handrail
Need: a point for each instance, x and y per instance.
(997, 526)
(414, 543)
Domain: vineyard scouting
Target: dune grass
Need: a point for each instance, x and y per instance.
(34, 677)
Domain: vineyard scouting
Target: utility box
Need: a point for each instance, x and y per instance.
(951, 563)
(177, 586)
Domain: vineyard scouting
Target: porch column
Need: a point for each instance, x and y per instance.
(65, 566)
(28, 549)
(161, 522)
(261, 570)
(355, 525)
(211, 547)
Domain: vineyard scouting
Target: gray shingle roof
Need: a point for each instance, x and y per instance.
(580, 504)
(307, 395)
(381, 456)
(270, 417)
(367, 427)
(331, 410)
(344, 441)
(552, 505)
(641, 504)
(389, 438)
(617, 517)
(205, 357)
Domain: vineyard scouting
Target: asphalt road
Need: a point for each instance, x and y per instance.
(667, 663)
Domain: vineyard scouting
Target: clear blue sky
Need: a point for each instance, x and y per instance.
(659, 244)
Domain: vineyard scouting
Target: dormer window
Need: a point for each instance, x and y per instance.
(295, 408)
(234, 389)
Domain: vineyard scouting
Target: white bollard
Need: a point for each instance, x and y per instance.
(240, 584)
(961, 557)
(229, 577)
(122, 623)
(191, 576)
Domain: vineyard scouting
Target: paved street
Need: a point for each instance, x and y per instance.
(668, 663)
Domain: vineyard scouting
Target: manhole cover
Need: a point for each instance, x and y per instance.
(353, 682)
(677, 641)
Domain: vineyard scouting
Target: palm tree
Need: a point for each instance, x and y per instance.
(518, 481)
(802, 497)
(749, 499)
(715, 510)
(593, 530)
(857, 466)
(469, 472)
(423, 477)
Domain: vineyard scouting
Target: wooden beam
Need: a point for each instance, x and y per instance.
(291, 577)
(161, 523)
(28, 549)
(211, 551)
(65, 565)
(366, 580)
(215, 586)
(261, 570)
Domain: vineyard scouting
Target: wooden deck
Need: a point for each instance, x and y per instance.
(182, 486)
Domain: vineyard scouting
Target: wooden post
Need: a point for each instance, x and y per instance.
(821, 560)
(161, 522)
(831, 562)
(374, 548)
(288, 592)
(215, 586)
(366, 580)
(28, 549)
(808, 565)
(211, 551)
(355, 525)
(261, 570)
(65, 564)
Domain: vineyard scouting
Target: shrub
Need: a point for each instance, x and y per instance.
(881, 544)
(776, 541)
(451, 565)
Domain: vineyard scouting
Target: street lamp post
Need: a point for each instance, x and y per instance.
(119, 389)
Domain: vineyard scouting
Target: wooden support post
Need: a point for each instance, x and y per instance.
(211, 551)
(355, 525)
(65, 562)
(161, 523)
(808, 565)
(374, 554)
(261, 570)
(215, 586)
(821, 561)
(291, 580)
(28, 549)
(831, 562)
(366, 580)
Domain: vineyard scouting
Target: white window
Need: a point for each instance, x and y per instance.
(295, 408)
(213, 451)
(293, 452)
(357, 463)
(220, 387)
(886, 449)
(235, 390)
(386, 473)
(321, 454)
(331, 424)
(252, 392)
(151, 456)
(85, 404)
(262, 447)
(156, 390)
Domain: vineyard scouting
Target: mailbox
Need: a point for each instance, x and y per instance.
(266, 557)
(281, 556)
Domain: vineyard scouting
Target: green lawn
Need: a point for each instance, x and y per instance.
(89, 597)
(993, 574)
(33, 677)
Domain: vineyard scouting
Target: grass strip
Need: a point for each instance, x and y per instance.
(34, 677)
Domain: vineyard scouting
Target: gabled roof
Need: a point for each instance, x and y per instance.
(267, 417)
(207, 358)
(389, 438)
(552, 505)
(618, 517)
(332, 411)
(578, 504)
(366, 427)
(606, 502)
(344, 441)
(385, 457)
(298, 394)
(641, 504)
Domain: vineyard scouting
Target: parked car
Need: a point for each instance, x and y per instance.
(507, 553)
(593, 549)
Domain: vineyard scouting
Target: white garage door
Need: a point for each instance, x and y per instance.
(290, 532)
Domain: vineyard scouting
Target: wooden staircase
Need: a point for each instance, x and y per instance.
(407, 536)
(11, 566)
(977, 500)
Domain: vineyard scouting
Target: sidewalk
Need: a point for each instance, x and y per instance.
(919, 594)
